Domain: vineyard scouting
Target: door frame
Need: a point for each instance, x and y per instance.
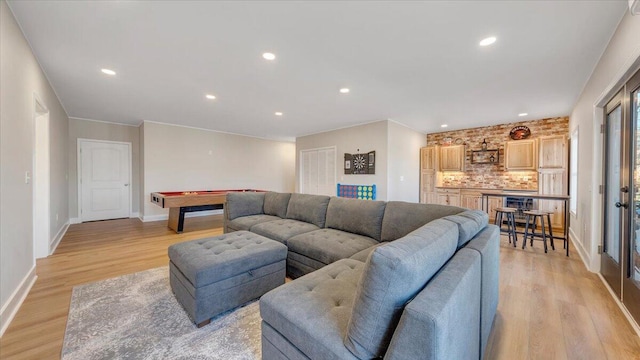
(41, 181)
(79, 171)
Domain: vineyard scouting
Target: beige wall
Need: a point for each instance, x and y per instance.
(21, 78)
(619, 56)
(141, 197)
(367, 137)
(95, 130)
(404, 162)
(180, 158)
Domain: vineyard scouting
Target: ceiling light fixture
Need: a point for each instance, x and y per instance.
(444, 125)
(278, 113)
(523, 114)
(344, 90)
(488, 41)
(210, 97)
(108, 71)
(269, 56)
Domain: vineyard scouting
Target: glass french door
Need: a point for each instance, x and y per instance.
(621, 237)
(611, 267)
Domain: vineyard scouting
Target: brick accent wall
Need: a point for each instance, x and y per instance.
(493, 176)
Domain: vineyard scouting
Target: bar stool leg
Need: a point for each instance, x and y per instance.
(512, 218)
(526, 231)
(533, 231)
(550, 232)
(544, 233)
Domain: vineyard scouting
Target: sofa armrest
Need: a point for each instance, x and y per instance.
(442, 321)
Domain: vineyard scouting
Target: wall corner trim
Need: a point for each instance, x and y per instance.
(582, 252)
(56, 240)
(11, 307)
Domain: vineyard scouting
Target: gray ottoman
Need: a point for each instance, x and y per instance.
(210, 276)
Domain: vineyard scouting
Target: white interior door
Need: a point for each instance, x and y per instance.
(318, 171)
(105, 173)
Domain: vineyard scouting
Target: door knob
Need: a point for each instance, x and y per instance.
(624, 205)
(624, 189)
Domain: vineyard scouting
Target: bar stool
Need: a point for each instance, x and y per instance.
(511, 222)
(535, 214)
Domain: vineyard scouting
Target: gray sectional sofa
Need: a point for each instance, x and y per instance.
(374, 279)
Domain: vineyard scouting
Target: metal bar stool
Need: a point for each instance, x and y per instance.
(511, 222)
(542, 215)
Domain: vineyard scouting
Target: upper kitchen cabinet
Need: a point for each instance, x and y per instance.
(520, 155)
(553, 152)
(429, 158)
(452, 158)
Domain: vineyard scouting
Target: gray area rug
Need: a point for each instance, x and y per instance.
(136, 316)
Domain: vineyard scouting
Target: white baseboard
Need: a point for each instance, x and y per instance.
(11, 307)
(626, 313)
(56, 240)
(582, 252)
(76, 220)
(160, 217)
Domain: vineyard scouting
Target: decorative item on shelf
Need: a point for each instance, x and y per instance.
(360, 163)
(519, 133)
(488, 156)
(459, 141)
(484, 144)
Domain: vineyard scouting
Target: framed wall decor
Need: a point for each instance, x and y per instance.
(360, 163)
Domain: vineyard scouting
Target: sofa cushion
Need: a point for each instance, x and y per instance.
(362, 217)
(469, 223)
(364, 254)
(308, 208)
(401, 218)
(312, 312)
(394, 273)
(246, 222)
(244, 204)
(283, 229)
(276, 203)
(329, 245)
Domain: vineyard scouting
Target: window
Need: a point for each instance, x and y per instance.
(573, 177)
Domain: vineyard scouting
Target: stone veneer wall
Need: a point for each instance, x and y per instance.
(493, 175)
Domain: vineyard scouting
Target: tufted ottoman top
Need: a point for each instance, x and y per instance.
(206, 261)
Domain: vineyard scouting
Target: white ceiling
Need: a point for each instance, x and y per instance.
(417, 63)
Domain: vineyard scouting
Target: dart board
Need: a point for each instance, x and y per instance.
(360, 163)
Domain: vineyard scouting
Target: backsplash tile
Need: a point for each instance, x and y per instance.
(493, 176)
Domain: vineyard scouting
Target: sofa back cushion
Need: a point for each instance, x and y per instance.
(401, 218)
(393, 274)
(362, 217)
(276, 203)
(244, 204)
(469, 223)
(308, 208)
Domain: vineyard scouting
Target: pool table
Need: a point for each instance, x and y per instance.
(182, 202)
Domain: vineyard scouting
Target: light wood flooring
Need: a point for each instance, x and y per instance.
(550, 307)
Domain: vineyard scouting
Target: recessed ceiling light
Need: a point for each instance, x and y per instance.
(523, 114)
(210, 97)
(344, 90)
(444, 125)
(488, 41)
(269, 56)
(108, 71)
(278, 113)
